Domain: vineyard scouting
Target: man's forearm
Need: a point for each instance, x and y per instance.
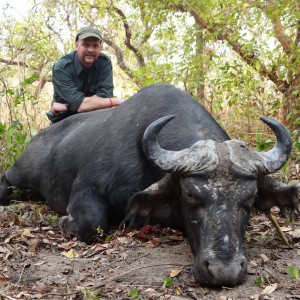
(95, 102)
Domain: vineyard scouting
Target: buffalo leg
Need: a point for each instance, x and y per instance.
(272, 192)
(86, 215)
(5, 191)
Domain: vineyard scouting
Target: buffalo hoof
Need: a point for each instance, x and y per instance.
(69, 226)
(65, 224)
(5, 191)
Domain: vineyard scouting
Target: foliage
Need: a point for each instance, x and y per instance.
(260, 281)
(293, 272)
(134, 294)
(239, 58)
(16, 140)
(17, 133)
(87, 295)
(100, 231)
(168, 282)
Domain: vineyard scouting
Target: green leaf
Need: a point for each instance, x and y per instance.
(10, 92)
(30, 80)
(247, 236)
(258, 281)
(168, 282)
(89, 295)
(297, 121)
(257, 65)
(133, 294)
(100, 231)
(293, 272)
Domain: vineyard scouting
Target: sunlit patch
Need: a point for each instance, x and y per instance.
(70, 218)
(226, 239)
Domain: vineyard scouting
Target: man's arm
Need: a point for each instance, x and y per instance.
(58, 108)
(88, 104)
(68, 91)
(95, 102)
(103, 95)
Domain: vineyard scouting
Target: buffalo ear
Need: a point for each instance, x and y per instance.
(153, 205)
(272, 192)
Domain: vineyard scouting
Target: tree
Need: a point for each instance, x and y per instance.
(239, 57)
(275, 22)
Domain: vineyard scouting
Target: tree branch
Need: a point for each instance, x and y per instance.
(120, 57)
(13, 63)
(268, 10)
(127, 41)
(249, 57)
(145, 20)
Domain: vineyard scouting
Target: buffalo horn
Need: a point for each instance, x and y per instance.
(198, 158)
(151, 146)
(274, 159)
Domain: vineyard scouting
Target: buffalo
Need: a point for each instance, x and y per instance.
(158, 158)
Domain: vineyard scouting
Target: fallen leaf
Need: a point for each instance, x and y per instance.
(175, 272)
(269, 289)
(286, 229)
(149, 244)
(17, 220)
(40, 263)
(295, 234)
(252, 263)
(4, 280)
(123, 240)
(95, 249)
(26, 233)
(264, 258)
(4, 250)
(123, 255)
(70, 254)
(33, 245)
(67, 246)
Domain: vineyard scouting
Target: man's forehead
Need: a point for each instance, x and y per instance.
(90, 40)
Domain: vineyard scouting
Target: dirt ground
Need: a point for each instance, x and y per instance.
(38, 262)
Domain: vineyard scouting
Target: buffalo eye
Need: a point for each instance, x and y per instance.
(191, 198)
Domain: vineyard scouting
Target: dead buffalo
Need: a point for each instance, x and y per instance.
(159, 158)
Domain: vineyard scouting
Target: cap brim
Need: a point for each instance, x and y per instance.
(87, 35)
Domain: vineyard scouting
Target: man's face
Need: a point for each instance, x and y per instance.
(88, 51)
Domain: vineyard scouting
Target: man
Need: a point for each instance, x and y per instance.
(82, 80)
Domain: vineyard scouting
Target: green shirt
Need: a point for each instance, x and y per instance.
(72, 82)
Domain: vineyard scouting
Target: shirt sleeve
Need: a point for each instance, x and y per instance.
(105, 83)
(65, 88)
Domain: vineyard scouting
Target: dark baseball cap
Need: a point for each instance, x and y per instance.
(86, 32)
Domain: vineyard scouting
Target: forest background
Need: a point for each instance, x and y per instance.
(239, 58)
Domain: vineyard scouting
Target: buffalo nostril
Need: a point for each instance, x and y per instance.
(226, 273)
(207, 264)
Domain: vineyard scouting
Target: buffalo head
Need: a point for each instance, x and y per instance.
(208, 190)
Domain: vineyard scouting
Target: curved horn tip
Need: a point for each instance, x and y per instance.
(157, 125)
(149, 140)
(268, 120)
(276, 157)
(278, 128)
(165, 119)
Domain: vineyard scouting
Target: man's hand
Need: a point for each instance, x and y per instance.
(58, 108)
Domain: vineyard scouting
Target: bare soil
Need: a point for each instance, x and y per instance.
(38, 262)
